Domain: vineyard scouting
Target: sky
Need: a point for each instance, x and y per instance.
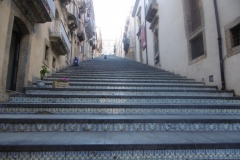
(111, 15)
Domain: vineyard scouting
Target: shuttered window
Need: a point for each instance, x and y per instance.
(197, 47)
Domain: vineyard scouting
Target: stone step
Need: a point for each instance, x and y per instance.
(117, 74)
(124, 80)
(68, 91)
(118, 123)
(173, 83)
(110, 72)
(120, 145)
(117, 109)
(119, 77)
(31, 98)
(136, 87)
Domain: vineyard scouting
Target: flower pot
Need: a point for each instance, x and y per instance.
(40, 83)
(57, 84)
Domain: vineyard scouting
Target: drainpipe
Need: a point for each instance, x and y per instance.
(146, 32)
(220, 46)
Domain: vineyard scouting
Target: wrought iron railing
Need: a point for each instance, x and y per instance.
(148, 5)
(50, 7)
(72, 9)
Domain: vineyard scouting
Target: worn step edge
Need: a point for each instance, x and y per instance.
(110, 141)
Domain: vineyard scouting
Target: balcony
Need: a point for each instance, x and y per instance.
(40, 11)
(72, 13)
(65, 2)
(59, 38)
(89, 28)
(81, 6)
(151, 10)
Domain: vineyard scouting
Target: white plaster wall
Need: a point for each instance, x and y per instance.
(173, 43)
(150, 46)
(228, 11)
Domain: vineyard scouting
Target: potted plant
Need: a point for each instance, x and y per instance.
(43, 73)
(61, 83)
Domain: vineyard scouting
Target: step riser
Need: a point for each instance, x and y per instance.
(124, 100)
(137, 87)
(183, 154)
(117, 77)
(119, 127)
(201, 94)
(128, 83)
(123, 80)
(120, 111)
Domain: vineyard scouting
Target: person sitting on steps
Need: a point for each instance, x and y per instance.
(105, 57)
(75, 61)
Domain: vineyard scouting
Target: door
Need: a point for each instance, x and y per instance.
(13, 62)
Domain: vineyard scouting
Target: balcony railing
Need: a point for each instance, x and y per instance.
(65, 2)
(151, 10)
(73, 15)
(40, 10)
(82, 6)
(59, 38)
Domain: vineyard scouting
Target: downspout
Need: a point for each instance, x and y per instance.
(220, 46)
(146, 32)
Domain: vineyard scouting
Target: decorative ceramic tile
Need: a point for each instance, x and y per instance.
(128, 111)
(118, 127)
(124, 100)
(126, 93)
(203, 154)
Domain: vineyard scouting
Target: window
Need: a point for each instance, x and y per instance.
(46, 53)
(232, 36)
(235, 36)
(54, 62)
(197, 47)
(195, 31)
(195, 17)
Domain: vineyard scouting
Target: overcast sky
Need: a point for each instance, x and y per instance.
(110, 16)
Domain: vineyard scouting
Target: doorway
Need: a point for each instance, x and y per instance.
(13, 59)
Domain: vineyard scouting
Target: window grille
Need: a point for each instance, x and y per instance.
(197, 47)
(235, 36)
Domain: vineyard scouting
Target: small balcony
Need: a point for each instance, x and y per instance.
(40, 11)
(89, 28)
(59, 38)
(72, 11)
(81, 6)
(65, 2)
(151, 10)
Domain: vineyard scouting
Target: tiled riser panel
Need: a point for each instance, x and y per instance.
(125, 75)
(203, 154)
(119, 127)
(202, 94)
(120, 111)
(127, 80)
(117, 111)
(136, 87)
(123, 100)
(72, 83)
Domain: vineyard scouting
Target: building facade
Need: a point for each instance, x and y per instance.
(195, 38)
(129, 38)
(37, 33)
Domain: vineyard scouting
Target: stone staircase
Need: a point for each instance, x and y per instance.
(117, 109)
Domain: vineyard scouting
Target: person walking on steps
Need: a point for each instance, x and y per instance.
(75, 61)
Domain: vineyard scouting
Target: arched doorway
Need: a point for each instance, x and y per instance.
(18, 56)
